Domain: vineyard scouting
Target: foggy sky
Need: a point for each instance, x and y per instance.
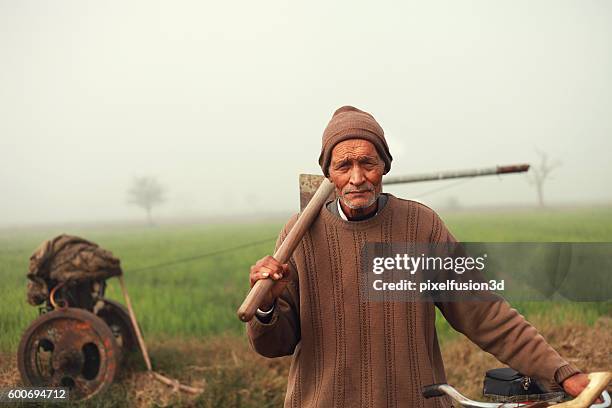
(225, 102)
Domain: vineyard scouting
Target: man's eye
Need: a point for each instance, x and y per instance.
(369, 165)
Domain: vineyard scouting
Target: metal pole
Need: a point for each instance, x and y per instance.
(453, 174)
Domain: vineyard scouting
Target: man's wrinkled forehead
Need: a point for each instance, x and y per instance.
(354, 149)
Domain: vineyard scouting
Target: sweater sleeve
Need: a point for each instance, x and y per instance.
(500, 330)
(281, 333)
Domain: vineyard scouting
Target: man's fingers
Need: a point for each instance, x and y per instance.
(271, 271)
(285, 272)
(270, 262)
(265, 271)
(269, 268)
(576, 384)
(257, 276)
(265, 275)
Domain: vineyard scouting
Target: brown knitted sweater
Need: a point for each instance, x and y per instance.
(348, 352)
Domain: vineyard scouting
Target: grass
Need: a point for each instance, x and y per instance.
(193, 298)
(193, 303)
(198, 298)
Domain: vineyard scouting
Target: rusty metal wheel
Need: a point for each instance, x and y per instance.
(117, 318)
(69, 348)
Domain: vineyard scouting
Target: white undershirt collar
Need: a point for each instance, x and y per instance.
(342, 214)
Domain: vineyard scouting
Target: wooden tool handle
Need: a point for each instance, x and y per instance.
(597, 384)
(253, 300)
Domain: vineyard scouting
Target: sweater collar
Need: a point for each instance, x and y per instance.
(381, 201)
(334, 212)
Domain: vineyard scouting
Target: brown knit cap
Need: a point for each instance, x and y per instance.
(349, 122)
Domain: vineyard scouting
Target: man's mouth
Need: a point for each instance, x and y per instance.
(358, 192)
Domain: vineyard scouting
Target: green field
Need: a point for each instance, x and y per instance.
(198, 298)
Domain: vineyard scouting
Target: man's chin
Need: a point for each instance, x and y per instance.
(359, 204)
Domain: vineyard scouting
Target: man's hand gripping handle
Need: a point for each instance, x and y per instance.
(258, 292)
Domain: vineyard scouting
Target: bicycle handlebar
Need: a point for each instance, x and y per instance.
(434, 390)
(596, 387)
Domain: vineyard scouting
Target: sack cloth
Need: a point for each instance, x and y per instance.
(67, 258)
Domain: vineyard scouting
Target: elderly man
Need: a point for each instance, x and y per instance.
(347, 351)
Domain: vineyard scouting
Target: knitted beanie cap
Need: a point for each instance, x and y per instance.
(349, 122)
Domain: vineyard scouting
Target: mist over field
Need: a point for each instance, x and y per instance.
(225, 103)
(205, 113)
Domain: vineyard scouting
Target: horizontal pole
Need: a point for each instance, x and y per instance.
(453, 174)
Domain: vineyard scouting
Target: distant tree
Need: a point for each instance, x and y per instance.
(539, 173)
(146, 193)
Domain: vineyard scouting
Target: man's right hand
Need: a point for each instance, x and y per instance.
(269, 268)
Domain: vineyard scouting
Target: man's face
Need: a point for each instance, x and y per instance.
(356, 170)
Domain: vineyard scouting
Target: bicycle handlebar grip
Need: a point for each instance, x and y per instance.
(433, 390)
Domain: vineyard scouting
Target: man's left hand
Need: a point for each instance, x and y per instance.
(575, 384)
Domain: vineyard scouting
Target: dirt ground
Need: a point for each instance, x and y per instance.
(232, 375)
(588, 348)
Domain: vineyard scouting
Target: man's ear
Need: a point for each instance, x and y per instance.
(331, 181)
(329, 173)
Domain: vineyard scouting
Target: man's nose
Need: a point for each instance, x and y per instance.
(357, 176)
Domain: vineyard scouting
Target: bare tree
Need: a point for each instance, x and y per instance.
(538, 174)
(146, 193)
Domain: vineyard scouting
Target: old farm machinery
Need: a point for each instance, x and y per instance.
(80, 338)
